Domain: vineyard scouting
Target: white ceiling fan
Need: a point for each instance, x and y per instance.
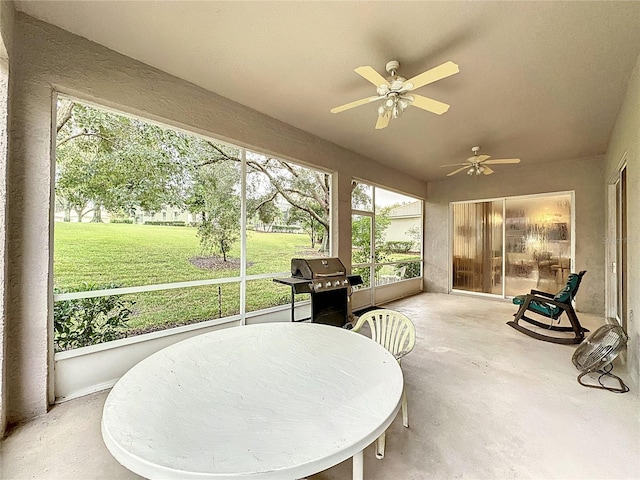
(477, 165)
(394, 91)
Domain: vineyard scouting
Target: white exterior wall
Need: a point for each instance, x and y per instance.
(403, 218)
(49, 59)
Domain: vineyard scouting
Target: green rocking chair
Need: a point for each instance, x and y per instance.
(552, 307)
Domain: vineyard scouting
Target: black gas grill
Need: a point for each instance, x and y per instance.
(327, 281)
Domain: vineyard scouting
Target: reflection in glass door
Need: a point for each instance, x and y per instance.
(538, 243)
(477, 247)
(510, 246)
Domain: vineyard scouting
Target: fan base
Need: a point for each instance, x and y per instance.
(623, 388)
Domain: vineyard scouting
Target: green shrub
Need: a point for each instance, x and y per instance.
(399, 246)
(88, 321)
(120, 220)
(412, 270)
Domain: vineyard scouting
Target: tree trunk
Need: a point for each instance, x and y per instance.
(97, 214)
(67, 214)
(224, 253)
(325, 243)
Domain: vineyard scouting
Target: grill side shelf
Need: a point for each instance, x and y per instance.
(298, 285)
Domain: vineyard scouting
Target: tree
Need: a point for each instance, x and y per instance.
(268, 213)
(361, 240)
(309, 224)
(119, 163)
(217, 198)
(269, 178)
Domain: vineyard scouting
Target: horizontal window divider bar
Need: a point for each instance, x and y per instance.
(399, 262)
(162, 286)
(260, 276)
(58, 297)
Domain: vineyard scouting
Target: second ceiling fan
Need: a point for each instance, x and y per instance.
(394, 91)
(477, 165)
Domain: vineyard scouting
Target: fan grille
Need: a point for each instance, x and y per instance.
(600, 349)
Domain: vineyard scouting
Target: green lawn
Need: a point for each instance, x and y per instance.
(133, 255)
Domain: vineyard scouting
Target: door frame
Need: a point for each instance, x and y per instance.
(615, 241)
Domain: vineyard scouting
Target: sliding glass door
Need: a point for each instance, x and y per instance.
(477, 247)
(508, 246)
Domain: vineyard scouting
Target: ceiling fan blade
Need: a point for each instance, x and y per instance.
(458, 170)
(438, 73)
(497, 161)
(478, 158)
(486, 170)
(357, 103)
(455, 164)
(383, 120)
(368, 73)
(429, 104)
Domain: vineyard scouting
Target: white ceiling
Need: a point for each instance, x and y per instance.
(543, 81)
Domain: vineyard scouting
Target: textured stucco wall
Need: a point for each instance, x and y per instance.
(51, 59)
(6, 36)
(583, 176)
(625, 139)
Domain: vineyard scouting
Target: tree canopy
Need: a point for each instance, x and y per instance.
(123, 165)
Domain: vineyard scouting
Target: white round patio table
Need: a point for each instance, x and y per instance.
(269, 401)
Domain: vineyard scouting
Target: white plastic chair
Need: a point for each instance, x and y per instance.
(395, 332)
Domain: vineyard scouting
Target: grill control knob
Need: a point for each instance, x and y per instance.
(328, 284)
(345, 282)
(318, 286)
(336, 283)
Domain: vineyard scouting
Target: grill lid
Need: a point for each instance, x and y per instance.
(310, 268)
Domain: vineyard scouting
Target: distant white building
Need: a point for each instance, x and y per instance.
(168, 214)
(403, 218)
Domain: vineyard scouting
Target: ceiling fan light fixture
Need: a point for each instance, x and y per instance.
(475, 170)
(392, 90)
(478, 164)
(406, 101)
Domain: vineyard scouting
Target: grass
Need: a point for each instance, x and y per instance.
(134, 255)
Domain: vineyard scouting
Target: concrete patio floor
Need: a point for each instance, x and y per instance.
(485, 402)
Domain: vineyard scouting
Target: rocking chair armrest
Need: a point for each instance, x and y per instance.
(541, 293)
(529, 298)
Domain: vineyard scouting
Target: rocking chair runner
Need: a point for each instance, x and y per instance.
(552, 307)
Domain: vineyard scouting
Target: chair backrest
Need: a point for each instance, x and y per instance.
(401, 272)
(568, 293)
(393, 330)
